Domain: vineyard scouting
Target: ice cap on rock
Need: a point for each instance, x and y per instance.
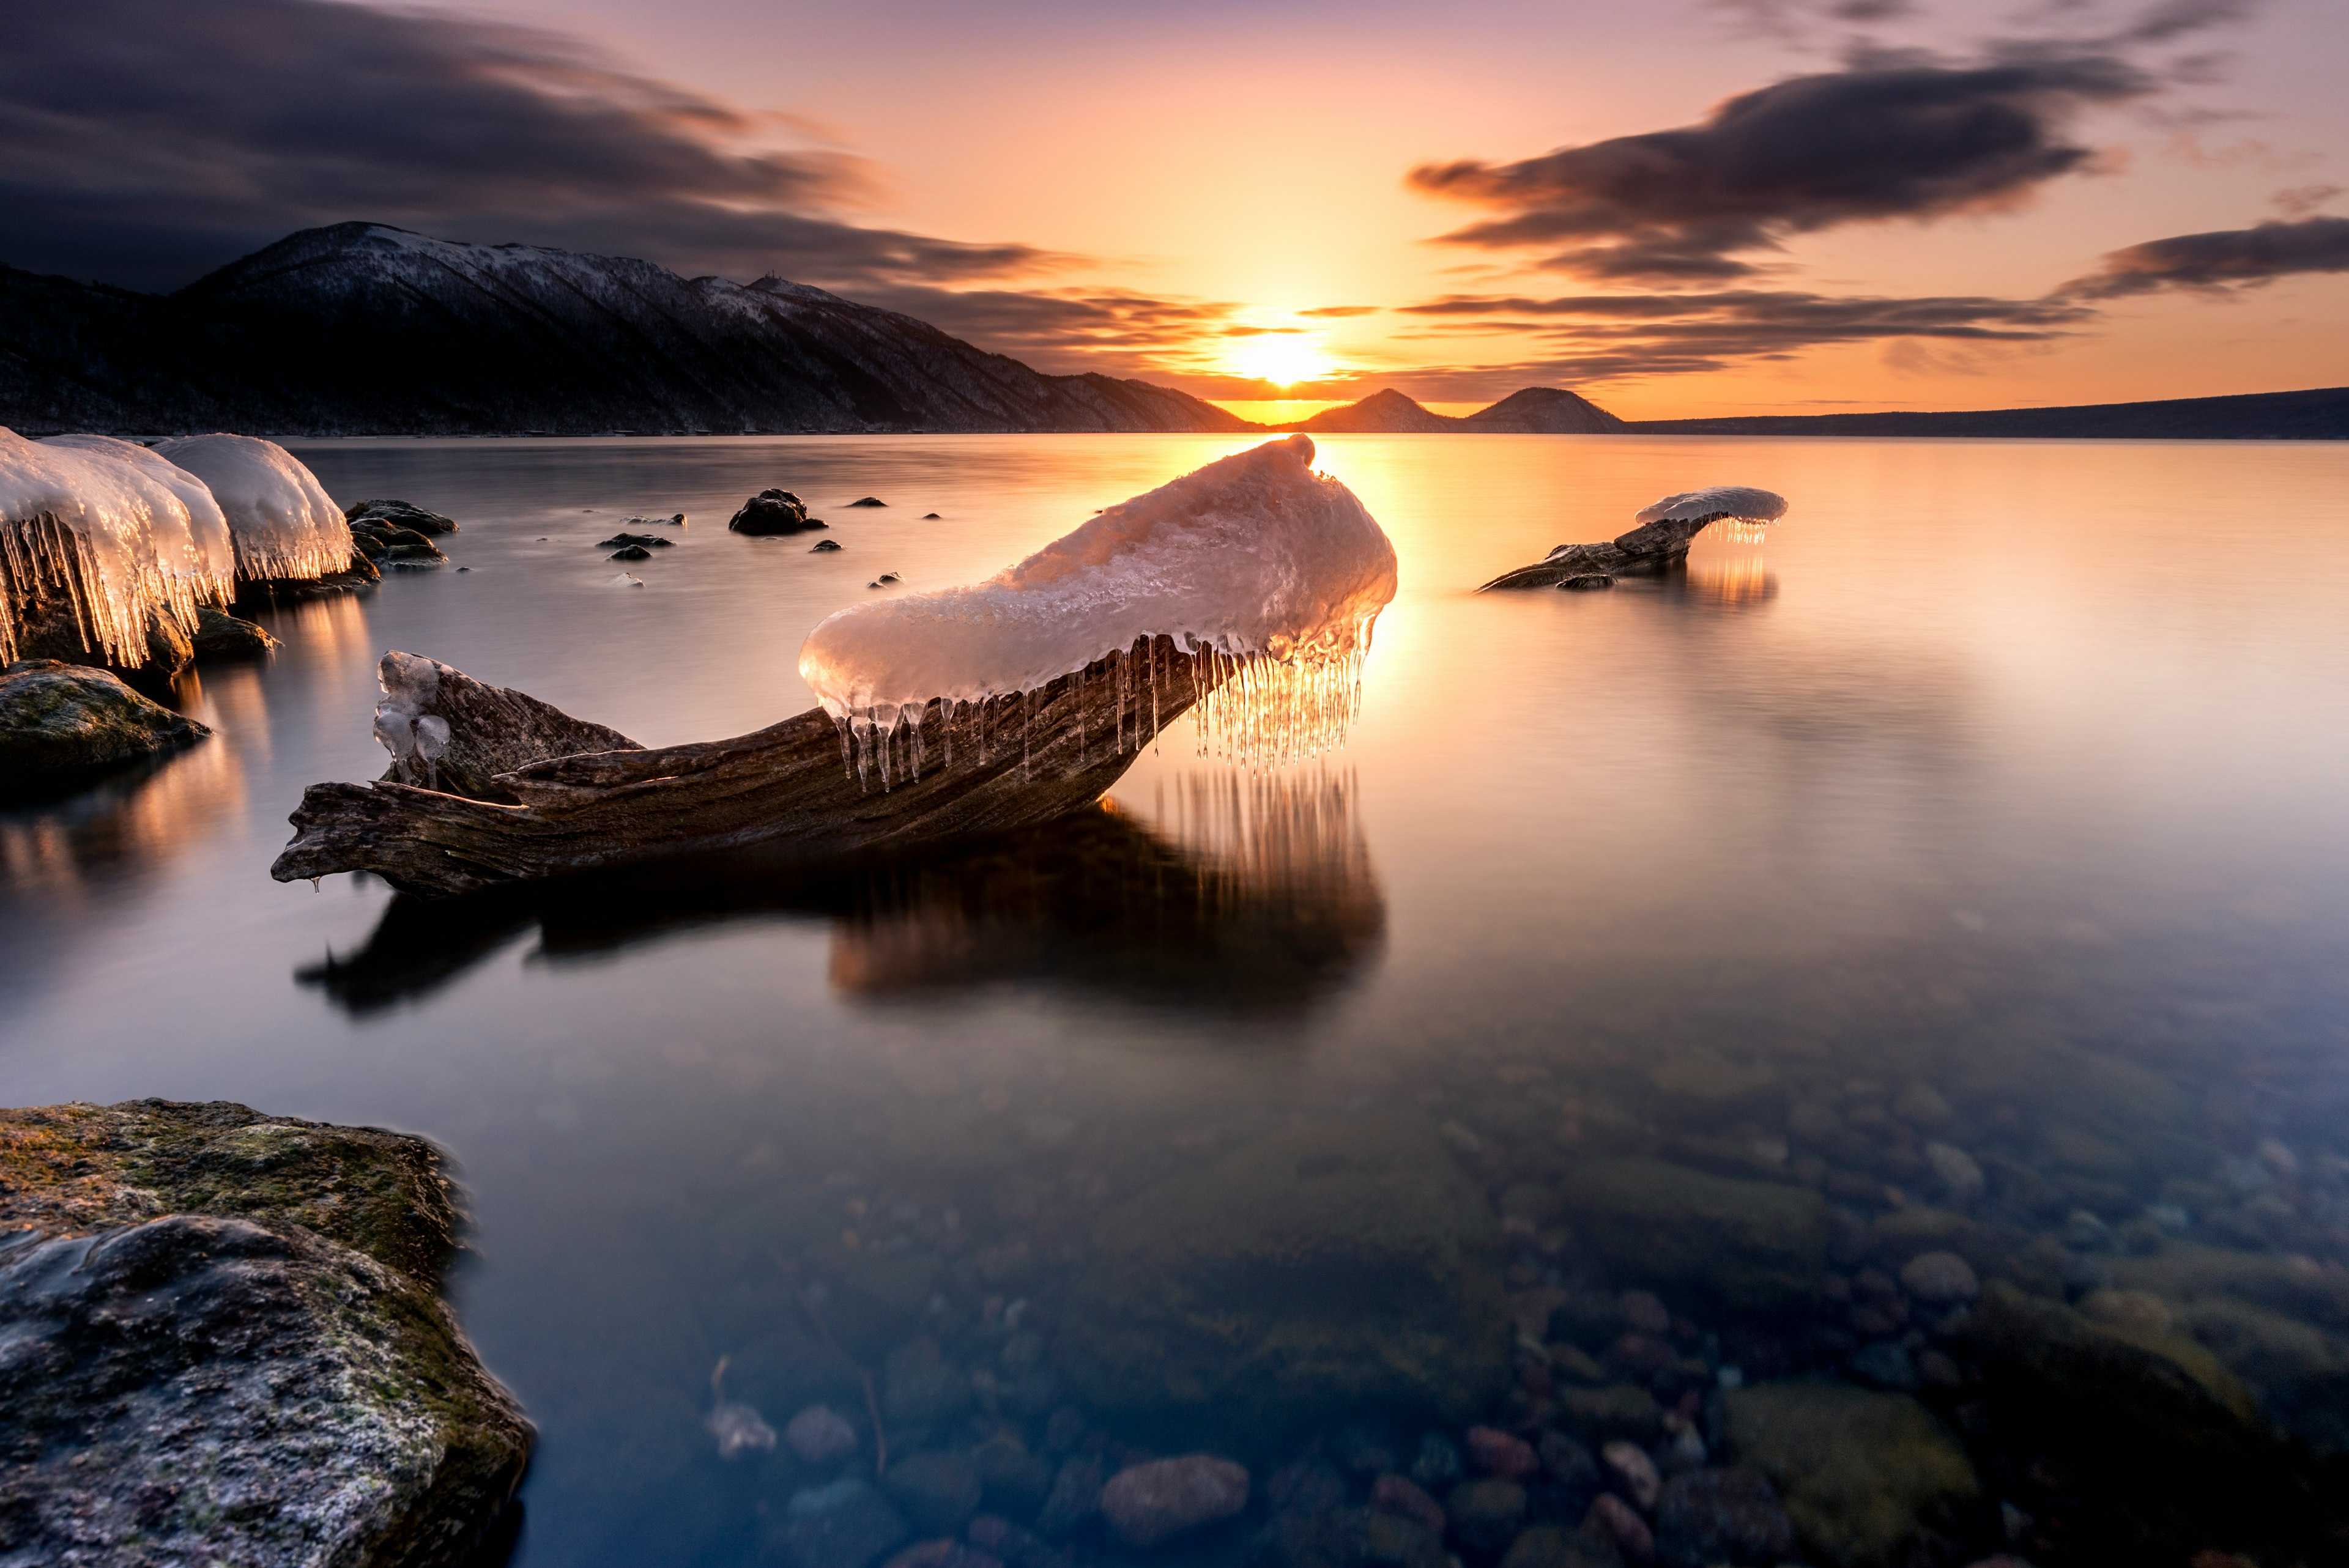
(1253, 555)
(280, 517)
(1740, 501)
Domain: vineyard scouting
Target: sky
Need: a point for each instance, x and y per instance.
(1688, 208)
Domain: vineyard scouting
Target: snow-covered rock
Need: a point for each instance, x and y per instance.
(280, 517)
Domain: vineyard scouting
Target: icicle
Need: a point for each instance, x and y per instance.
(847, 753)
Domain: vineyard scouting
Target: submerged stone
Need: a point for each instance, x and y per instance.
(1162, 1499)
(1349, 1266)
(227, 1344)
(1758, 1246)
(1867, 1478)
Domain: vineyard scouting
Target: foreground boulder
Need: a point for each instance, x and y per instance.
(774, 511)
(1349, 1266)
(56, 717)
(225, 1343)
(220, 635)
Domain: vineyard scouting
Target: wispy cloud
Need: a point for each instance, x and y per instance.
(2220, 262)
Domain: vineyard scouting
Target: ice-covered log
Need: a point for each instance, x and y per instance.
(100, 555)
(1006, 762)
(1666, 529)
(1251, 584)
(280, 518)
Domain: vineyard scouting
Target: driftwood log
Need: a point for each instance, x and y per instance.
(489, 786)
(1647, 551)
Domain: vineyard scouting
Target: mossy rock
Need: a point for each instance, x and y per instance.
(58, 717)
(1349, 1266)
(228, 1344)
(1870, 1480)
(1755, 1246)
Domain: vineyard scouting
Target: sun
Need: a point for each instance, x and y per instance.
(1283, 359)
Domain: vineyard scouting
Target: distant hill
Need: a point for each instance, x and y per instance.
(2320, 415)
(1535, 410)
(363, 329)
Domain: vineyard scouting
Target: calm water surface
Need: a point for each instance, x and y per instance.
(1994, 805)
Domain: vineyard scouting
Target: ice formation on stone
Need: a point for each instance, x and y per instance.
(200, 553)
(401, 725)
(1743, 502)
(280, 517)
(86, 523)
(1266, 573)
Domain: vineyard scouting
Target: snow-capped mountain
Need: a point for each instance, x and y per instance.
(363, 329)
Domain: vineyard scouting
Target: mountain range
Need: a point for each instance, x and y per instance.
(365, 329)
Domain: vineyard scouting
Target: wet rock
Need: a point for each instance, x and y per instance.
(1075, 1496)
(643, 541)
(823, 545)
(1868, 1479)
(2163, 1442)
(1612, 1521)
(1013, 1546)
(1015, 1482)
(1710, 1086)
(868, 501)
(1230, 1302)
(1156, 1502)
(1569, 1466)
(1395, 1494)
(398, 514)
(387, 546)
(225, 1343)
(631, 552)
(1942, 1279)
(1961, 1179)
(772, 511)
(1758, 1246)
(937, 1492)
(58, 717)
(943, 1554)
(1630, 1472)
(922, 1389)
(1711, 1516)
(1351, 1538)
(847, 1524)
(1485, 1514)
(220, 635)
(1496, 1452)
(1887, 1365)
(1438, 1465)
(820, 1436)
(1585, 581)
(1618, 1411)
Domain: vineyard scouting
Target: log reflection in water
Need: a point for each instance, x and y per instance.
(1260, 900)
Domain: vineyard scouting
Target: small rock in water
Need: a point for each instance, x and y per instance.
(888, 577)
(220, 635)
(1921, 1104)
(821, 545)
(937, 1491)
(1611, 1520)
(1711, 1516)
(1957, 1169)
(1075, 1496)
(1632, 1472)
(1485, 1513)
(845, 1525)
(1500, 1453)
(772, 511)
(1568, 1463)
(1438, 1465)
(624, 581)
(1395, 1494)
(1164, 1498)
(1645, 1311)
(868, 501)
(632, 552)
(1939, 1278)
(817, 1435)
(929, 517)
(1887, 1365)
(1586, 583)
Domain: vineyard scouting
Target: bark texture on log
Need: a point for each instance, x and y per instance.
(803, 785)
(482, 730)
(1646, 550)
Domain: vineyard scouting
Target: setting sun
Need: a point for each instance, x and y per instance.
(1283, 359)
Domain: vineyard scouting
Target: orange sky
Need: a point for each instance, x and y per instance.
(1249, 163)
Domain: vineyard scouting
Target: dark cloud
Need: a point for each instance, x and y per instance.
(1895, 141)
(2220, 261)
(1594, 337)
(150, 140)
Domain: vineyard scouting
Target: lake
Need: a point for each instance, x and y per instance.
(1961, 872)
